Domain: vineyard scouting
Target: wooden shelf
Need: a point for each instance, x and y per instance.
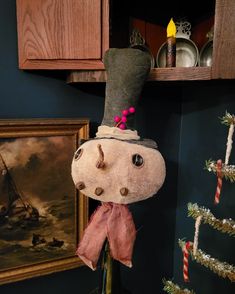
(156, 74)
(180, 74)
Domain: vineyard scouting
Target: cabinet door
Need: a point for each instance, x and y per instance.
(224, 40)
(62, 34)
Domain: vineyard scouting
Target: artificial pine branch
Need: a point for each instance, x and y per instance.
(228, 171)
(224, 225)
(228, 119)
(222, 269)
(172, 288)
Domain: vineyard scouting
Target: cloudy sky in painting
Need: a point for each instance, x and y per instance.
(40, 166)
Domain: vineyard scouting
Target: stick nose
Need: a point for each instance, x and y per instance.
(100, 162)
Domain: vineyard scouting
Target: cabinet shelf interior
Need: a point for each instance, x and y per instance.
(152, 22)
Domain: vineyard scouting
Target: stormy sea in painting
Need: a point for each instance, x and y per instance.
(52, 236)
(37, 201)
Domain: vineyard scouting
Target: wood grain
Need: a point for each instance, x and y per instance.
(62, 64)
(224, 40)
(155, 37)
(156, 74)
(105, 26)
(180, 74)
(86, 76)
(60, 30)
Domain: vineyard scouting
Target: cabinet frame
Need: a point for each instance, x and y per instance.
(53, 64)
(223, 59)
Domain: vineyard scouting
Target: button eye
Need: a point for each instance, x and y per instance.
(78, 154)
(137, 160)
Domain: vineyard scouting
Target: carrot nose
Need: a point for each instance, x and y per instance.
(100, 162)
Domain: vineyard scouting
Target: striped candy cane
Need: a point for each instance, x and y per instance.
(219, 181)
(186, 248)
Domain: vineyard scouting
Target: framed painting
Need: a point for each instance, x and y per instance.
(42, 215)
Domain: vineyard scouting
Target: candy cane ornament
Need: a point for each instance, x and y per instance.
(219, 181)
(186, 249)
(195, 241)
(229, 143)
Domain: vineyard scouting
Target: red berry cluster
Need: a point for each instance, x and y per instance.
(121, 121)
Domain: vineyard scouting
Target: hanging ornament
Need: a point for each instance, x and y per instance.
(224, 170)
(195, 241)
(219, 181)
(229, 143)
(222, 269)
(228, 171)
(186, 248)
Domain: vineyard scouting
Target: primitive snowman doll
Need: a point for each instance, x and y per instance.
(117, 167)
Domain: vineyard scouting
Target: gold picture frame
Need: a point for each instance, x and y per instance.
(42, 215)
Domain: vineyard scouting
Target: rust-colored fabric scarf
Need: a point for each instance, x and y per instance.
(115, 222)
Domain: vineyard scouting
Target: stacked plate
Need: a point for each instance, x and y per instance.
(206, 54)
(138, 42)
(207, 49)
(187, 54)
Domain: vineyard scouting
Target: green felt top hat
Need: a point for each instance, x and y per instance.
(127, 70)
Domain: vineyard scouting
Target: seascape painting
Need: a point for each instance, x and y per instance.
(37, 200)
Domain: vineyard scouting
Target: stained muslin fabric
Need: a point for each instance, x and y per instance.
(114, 222)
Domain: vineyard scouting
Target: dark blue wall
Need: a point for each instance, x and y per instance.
(38, 93)
(29, 94)
(33, 94)
(203, 137)
(185, 141)
(159, 119)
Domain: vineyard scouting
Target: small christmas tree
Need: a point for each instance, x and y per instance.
(203, 215)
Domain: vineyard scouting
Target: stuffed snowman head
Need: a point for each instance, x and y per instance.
(112, 170)
(118, 166)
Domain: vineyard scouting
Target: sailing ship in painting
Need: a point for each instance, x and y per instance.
(13, 206)
(16, 210)
(37, 204)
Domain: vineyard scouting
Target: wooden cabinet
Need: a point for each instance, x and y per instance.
(74, 34)
(223, 64)
(62, 34)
